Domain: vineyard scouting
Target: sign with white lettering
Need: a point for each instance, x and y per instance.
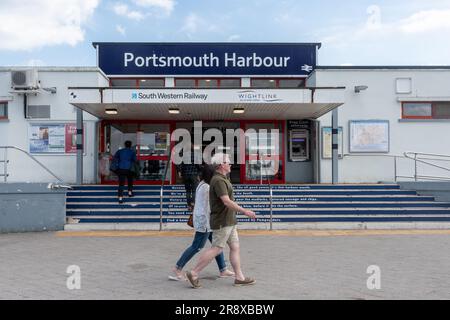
(206, 96)
(221, 59)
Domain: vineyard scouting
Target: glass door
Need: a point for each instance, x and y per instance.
(264, 156)
(151, 141)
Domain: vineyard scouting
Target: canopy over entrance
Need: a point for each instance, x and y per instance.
(206, 104)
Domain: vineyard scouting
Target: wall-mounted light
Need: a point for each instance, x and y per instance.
(239, 110)
(111, 111)
(174, 110)
(358, 89)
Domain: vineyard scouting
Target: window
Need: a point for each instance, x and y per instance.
(151, 83)
(264, 83)
(291, 83)
(441, 110)
(131, 83)
(277, 83)
(185, 83)
(426, 110)
(413, 110)
(38, 112)
(230, 83)
(3, 110)
(207, 83)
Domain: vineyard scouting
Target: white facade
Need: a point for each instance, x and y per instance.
(14, 131)
(380, 101)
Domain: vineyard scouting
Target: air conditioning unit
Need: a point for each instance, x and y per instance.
(24, 79)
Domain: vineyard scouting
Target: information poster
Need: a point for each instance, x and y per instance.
(161, 139)
(53, 138)
(327, 143)
(369, 136)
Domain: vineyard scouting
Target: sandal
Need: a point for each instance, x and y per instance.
(177, 277)
(195, 283)
(247, 281)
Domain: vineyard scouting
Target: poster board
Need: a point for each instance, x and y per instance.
(327, 137)
(369, 136)
(55, 138)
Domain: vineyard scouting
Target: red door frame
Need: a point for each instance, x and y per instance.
(278, 124)
(172, 126)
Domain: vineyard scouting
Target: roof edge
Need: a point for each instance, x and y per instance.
(393, 67)
(318, 44)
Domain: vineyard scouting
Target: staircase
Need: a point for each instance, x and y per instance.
(95, 207)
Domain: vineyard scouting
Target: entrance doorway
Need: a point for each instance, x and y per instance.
(151, 141)
(262, 154)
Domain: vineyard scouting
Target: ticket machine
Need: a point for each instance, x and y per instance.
(299, 145)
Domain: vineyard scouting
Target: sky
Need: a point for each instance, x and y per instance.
(352, 32)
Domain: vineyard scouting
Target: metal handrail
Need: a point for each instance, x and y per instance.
(270, 193)
(161, 192)
(6, 161)
(407, 155)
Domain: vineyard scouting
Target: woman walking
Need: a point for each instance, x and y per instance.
(202, 228)
(126, 157)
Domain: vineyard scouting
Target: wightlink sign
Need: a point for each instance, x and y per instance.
(221, 59)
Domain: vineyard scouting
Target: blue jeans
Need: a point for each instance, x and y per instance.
(198, 243)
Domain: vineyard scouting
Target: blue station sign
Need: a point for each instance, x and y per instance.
(234, 59)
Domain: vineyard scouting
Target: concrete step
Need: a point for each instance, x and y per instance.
(258, 199)
(252, 187)
(102, 193)
(255, 205)
(306, 211)
(277, 220)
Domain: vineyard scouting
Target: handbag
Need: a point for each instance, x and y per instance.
(190, 221)
(114, 164)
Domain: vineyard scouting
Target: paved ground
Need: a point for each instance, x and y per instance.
(291, 265)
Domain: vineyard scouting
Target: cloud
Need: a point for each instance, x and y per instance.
(426, 21)
(233, 37)
(194, 24)
(191, 23)
(122, 10)
(166, 5)
(430, 21)
(417, 37)
(27, 25)
(34, 63)
(120, 29)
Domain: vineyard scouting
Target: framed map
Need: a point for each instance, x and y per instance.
(369, 136)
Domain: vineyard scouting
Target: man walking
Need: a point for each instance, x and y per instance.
(223, 223)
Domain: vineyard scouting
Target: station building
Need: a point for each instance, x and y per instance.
(337, 124)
